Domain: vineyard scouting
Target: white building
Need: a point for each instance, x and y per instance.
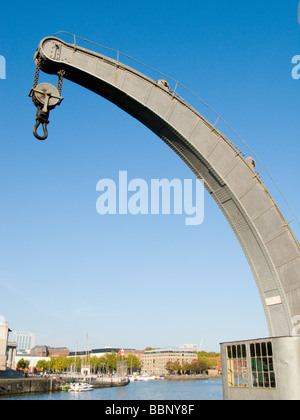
(192, 347)
(33, 360)
(25, 340)
(3, 343)
(7, 349)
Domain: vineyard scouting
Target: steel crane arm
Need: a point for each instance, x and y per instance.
(269, 245)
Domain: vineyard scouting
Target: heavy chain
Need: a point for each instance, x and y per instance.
(37, 72)
(61, 74)
(43, 108)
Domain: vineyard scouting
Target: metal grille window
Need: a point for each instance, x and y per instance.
(263, 375)
(237, 366)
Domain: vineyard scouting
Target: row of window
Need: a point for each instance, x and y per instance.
(260, 375)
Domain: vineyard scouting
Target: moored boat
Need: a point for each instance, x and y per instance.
(65, 387)
(81, 387)
(145, 378)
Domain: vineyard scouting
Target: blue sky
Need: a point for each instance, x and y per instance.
(137, 281)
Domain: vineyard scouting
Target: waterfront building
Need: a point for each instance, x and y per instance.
(7, 348)
(102, 351)
(11, 352)
(47, 351)
(94, 352)
(192, 347)
(4, 330)
(131, 352)
(33, 360)
(25, 340)
(154, 361)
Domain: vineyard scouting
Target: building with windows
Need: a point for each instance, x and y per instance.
(154, 361)
(47, 351)
(131, 352)
(11, 353)
(7, 349)
(4, 330)
(192, 347)
(100, 352)
(263, 369)
(32, 359)
(25, 340)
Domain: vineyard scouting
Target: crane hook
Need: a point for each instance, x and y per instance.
(41, 118)
(45, 97)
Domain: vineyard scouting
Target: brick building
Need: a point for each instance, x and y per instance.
(154, 361)
(129, 352)
(46, 351)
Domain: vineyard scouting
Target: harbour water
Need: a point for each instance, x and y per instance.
(197, 390)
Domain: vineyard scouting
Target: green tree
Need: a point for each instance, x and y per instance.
(203, 363)
(95, 365)
(176, 367)
(23, 364)
(41, 365)
(133, 362)
(208, 360)
(195, 366)
(71, 363)
(206, 354)
(186, 367)
(111, 361)
(169, 367)
(60, 364)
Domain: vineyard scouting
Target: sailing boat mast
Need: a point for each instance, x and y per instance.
(75, 366)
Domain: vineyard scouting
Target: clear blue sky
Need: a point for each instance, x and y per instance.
(130, 281)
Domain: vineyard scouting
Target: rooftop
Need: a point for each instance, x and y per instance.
(170, 350)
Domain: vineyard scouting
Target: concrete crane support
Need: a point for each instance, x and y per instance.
(270, 247)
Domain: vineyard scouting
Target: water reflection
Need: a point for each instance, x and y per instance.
(152, 390)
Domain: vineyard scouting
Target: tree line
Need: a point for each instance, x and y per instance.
(108, 364)
(195, 367)
(203, 362)
(104, 364)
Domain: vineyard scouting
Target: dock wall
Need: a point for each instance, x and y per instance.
(28, 385)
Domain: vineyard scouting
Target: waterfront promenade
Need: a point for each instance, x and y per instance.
(52, 384)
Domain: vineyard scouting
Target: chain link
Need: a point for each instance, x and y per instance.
(42, 116)
(37, 72)
(61, 74)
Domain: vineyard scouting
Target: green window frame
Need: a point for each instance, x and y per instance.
(262, 365)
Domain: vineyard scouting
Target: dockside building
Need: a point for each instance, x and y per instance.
(154, 361)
